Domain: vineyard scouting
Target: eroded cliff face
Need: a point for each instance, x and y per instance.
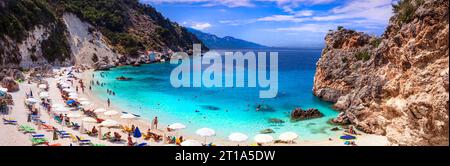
(396, 85)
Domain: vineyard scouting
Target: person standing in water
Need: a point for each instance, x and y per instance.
(109, 102)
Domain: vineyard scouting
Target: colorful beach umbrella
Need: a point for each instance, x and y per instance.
(237, 137)
(348, 137)
(69, 102)
(137, 133)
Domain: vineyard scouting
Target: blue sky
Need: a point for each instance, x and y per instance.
(278, 23)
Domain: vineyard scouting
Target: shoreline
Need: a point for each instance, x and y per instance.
(10, 136)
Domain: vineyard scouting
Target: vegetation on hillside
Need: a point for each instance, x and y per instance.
(19, 17)
(405, 10)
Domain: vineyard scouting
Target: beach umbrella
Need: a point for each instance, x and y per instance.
(85, 103)
(61, 109)
(31, 101)
(263, 138)
(89, 120)
(127, 116)
(83, 99)
(237, 137)
(69, 102)
(111, 113)
(3, 89)
(177, 126)
(109, 123)
(348, 137)
(191, 143)
(288, 136)
(44, 95)
(42, 86)
(57, 105)
(100, 110)
(137, 133)
(86, 120)
(74, 115)
(65, 86)
(205, 132)
(68, 90)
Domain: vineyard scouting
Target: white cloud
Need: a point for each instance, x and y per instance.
(282, 18)
(316, 28)
(201, 26)
(207, 3)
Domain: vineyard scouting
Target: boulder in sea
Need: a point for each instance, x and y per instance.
(267, 131)
(300, 114)
(335, 129)
(275, 120)
(10, 84)
(122, 78)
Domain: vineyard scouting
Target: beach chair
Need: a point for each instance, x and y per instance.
(9, 122)
(47, 127)
(74, 139)
(83, 141)
(37, 135)
(75, 126)
(142, 144)
(63, 134)
(146, 136)
(26, 129)
(56, 144)
(126, 129)
(38, 141)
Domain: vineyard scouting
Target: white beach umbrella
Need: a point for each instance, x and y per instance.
(44, 95)
(68, 90)
(109, 123)
(42, 86)
(100, 110)
(89, 120)
(177, 126)
(83, 99)
(3, 89)
(74, 115)
(127, 116)
(64, 85)
(111, 113)
(31, 101)
(263, 138)
(73, 94)
(57, 105)
(206, 132)
(73, 97)
(85, 103)
(237, 137)
(61, 109)
(288, 136)
(191, 143)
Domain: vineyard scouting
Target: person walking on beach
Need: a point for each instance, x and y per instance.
(109, 102)
(155, 122)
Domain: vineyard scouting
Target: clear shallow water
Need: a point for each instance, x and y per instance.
(226, 110)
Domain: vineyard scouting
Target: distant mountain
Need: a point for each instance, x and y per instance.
(227, 42)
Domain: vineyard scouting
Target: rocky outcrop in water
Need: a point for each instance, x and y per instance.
(396, 85)
(300, 114)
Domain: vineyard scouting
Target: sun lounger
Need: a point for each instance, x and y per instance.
(38, 141)
(47, 127)
(38, 135)
(142, 144)
(10, 122)
(63, 134)
(75, 126)
(26, 129)
(83, 141)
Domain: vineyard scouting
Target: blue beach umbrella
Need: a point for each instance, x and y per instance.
(348, 137)
(137, 133)
(70, 102)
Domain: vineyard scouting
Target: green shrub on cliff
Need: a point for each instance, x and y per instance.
(405, 10)
(362, 55)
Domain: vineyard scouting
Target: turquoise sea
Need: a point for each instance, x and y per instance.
(225, 110)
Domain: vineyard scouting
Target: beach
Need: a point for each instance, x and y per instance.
(10, 136)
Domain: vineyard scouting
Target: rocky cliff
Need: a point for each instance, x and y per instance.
(395, 85)
(35, 33)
